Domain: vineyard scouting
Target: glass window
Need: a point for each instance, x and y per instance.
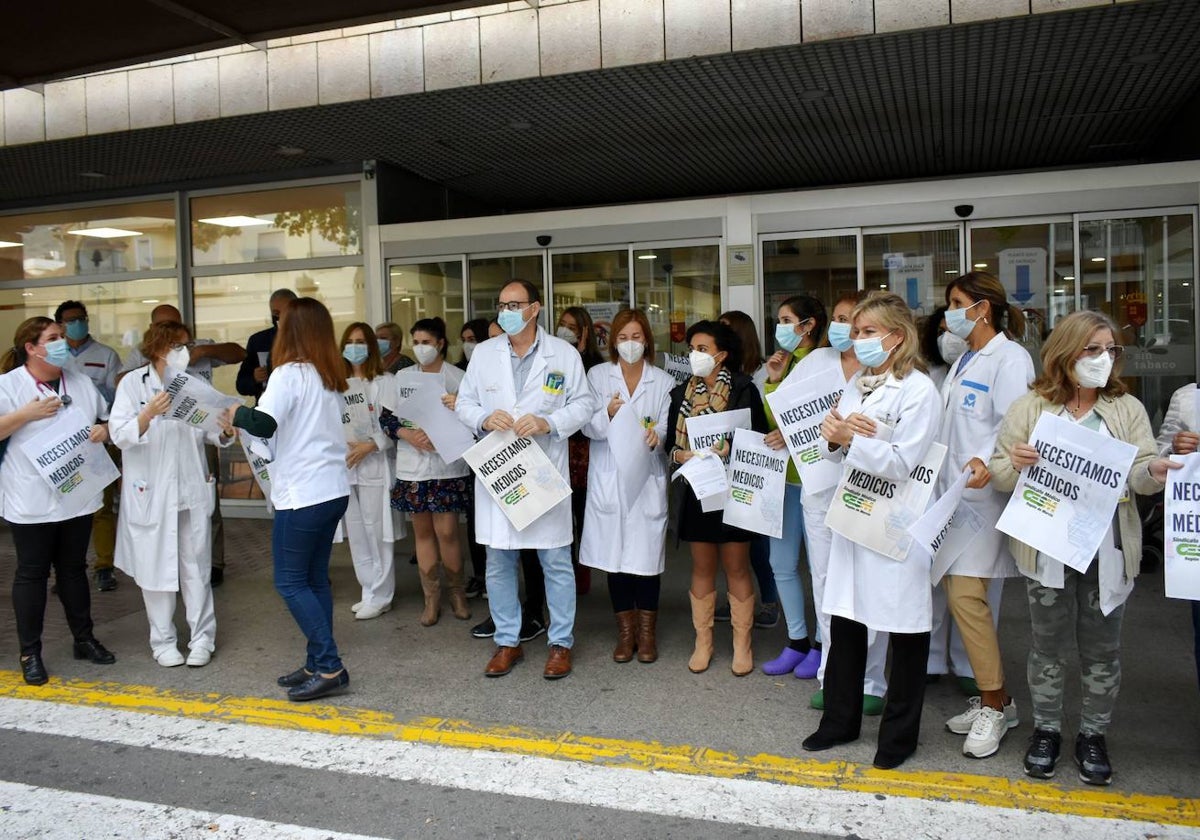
(915, 264)
(677, 286)
(825, 267)
(111, 239)
(323, 220)
(488, 275)
(598, 281)
(428, 290)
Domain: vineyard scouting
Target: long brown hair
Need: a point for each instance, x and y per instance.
(305, 334)
(29, 332)
(747, 333)
(980, 285)
(373, 366)
(1057, 382)
(893, 314)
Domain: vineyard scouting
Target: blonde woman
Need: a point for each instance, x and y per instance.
(865, 590)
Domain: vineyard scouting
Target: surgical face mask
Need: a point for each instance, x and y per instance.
(77, 330)
(786, 337)
(355, 354)
(384, 346)
(568, 335)
(951, 347)
(839, 336)
(511, 322)
(958, 323)
(469, 348)
(425, 353)
(631, 351)
(57, 352)
(1094, 372)
(870, 351)
(702, 363)
(179, 358)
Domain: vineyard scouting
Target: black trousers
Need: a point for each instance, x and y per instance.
(62, 545)
(478, 552)
(634, 592)
(901, 724)
(535, 585)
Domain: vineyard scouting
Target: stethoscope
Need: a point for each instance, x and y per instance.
(63, 397)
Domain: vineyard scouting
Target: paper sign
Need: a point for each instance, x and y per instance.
(947, 528)
(358, 415)
(422, 407)
(799, 406)
(708, 430)
(1023, 274)
(912, 279)
(518, 476)
(677, 366)
(757, 481)
(1181, 531)
(876, 511)
(634, 460)
(706, 474)
(258, 457)
(76, 469)
(1064, 504)
(194, 402)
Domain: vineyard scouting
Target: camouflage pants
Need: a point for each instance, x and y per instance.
(1063, 616)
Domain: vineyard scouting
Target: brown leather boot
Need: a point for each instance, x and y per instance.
(702, 620)
(741, 616)
(647, 644)
(431, 585)
(458, 594)
(626, 621)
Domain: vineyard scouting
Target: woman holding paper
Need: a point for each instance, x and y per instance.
(626, 536)
(881, 430)
(1079, 382)
(432, 492)
(980, 386)
(368, 521)
(712, 388)
(164, 532)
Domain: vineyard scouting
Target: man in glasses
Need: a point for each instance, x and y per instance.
(534, 384)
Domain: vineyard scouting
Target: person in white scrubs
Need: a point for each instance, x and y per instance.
(883, 427)
(624, 536)
(368, 523)
(164, 531)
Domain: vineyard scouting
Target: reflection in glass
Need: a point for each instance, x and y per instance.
(676, 287)
(825, 267)
(597, 281)
(428, 290)
(488, 275)
(917, 265)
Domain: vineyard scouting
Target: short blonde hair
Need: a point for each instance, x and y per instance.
(893, 314)
(1057, 382)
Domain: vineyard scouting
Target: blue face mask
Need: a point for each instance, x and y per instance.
(77, 330)
(839, 336)
(870, 351)
(355, 354)
(57, 352)
(511, 322)
(786, 337)
(384, 346)
(958, 323)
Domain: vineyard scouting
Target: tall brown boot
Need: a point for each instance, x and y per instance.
(431, 585)
(626, 620)
(647, 644)
(702, 620)
(741, 617)
(458, 594)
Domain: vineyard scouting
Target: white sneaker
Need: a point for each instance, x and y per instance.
(199, 657)
(961, 724)
(987, 731)
(368, 612)
(170, 658)
(356, 607)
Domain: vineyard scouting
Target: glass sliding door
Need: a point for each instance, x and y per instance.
(487, 275)
(596, 280)
(915, 263)
(822, 264)
(676, 286)
(427, 289)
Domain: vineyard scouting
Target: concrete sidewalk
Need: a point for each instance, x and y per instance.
(411, 672)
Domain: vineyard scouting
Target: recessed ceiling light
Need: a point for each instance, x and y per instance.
(951, 271)
(1097, 259)
(405, 300)
(1069, 277)
(4, 243)
(290, 151)
(150, 300)
(91, 173)
(980, 265)
(647, 256)
(26, 294)
(1060, 291)
(104, 232)
(234, 221)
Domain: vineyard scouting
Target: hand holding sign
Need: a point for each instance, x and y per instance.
(498, 421)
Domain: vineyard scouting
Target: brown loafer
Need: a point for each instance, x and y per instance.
(503, 660)
(558, 663)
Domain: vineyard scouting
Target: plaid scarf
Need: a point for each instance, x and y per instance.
(698, 400)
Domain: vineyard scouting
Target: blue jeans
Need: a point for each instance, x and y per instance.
(760, 564)
(505, 603)
(785, 563)
(301, 543)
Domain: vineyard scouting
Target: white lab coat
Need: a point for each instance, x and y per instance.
(974, 402)
(163, 471)
(863, 585)
(625, 535)
(555, 389)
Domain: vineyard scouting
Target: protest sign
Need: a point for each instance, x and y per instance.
(359, 417)
(194, 402)
(518, 476)
(757, 480)
(420, 404)
(705, 473)
(679, 367)
(799, 406)
(634, 460)
(708, 430)
(947, 528)
(76, 469)
(1181, 537)
(258, 456)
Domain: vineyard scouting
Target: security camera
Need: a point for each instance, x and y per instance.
(544, 240)
(964, 210)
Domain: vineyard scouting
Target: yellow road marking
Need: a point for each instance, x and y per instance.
(612, 752)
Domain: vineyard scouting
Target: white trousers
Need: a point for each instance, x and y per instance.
(946, 651)
(195, 585)
(818, 540)
(374, 560)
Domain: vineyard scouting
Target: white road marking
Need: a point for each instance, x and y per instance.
(733, 801)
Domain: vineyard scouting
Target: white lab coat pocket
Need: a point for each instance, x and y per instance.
(210, 496)
(138, 504)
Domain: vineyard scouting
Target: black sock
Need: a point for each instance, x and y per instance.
(800, 645)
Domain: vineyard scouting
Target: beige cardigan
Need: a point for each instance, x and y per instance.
(1126, 420)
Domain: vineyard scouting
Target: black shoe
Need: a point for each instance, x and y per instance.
(819, 741)
(217, 577)
(889, 762)
(106, 580)
(33, 670)
(531, 628)
(1042, 754)
(476, 587)
(484, 629)
(1091, 754)
(318, 686)
(96, 652)
(297, 677)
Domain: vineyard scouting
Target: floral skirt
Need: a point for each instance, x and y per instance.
(436, 495)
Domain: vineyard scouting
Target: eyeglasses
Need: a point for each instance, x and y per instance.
(513, 305)
(1094, 350)
(187, 345)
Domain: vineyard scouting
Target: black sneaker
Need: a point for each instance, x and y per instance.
(484, 629)
(531, 628)
(1091, 754)
(1042, 754)
(476, 587)
(767, 617)
(106, 580)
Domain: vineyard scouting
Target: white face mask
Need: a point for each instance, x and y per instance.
(568, 335)
(951, 347)
(425, 353)
(702, 363)
(1094, 372)
(178, 359)
(468, 349)
(631, 351)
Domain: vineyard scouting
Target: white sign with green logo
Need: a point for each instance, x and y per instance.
(799, 406)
